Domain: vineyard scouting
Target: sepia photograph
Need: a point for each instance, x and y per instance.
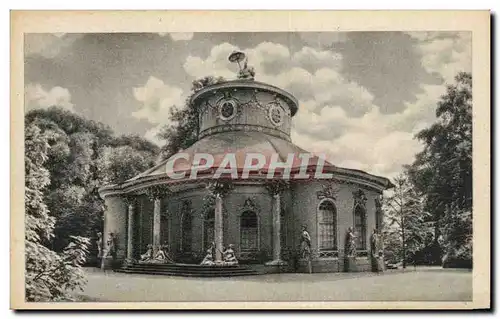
(226, 166)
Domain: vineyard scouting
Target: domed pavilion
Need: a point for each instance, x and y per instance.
(260, 209)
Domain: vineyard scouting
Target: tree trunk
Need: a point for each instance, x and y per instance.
(404, 241)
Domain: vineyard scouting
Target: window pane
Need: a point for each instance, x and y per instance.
(360, 229)
(164, 230)
(249, 231)
(327, 226)
(186, 233)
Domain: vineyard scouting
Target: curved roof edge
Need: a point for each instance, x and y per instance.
(347, 175)
(248, 84)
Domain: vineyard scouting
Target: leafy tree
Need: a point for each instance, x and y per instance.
(184, 129)
(117, 164)
(76, 149)
(407, 229)
(443, 170)
(49, 276)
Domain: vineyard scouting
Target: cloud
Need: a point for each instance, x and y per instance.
(178, 36)
(48, 45)
(36, 97)
(370, 142)
(375, 142)
(152, 133)
(339, 117)
(312, 59)
(445, 53)
(323, 39)
(157, 99)
(308, 73)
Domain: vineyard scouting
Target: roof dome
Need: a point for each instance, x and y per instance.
(239, 118)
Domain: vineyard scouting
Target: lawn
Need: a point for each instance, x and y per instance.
(421, 284)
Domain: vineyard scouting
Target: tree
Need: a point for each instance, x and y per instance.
(76, 149)
(117, 164)
(49, 276)
(183, 131)
(443, 170)
(407, 229)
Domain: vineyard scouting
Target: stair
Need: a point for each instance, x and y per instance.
(186, 270)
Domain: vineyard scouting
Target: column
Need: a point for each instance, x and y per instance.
(276, 228)
(276, 231)
(130, 232)
(218, 231)
(156, 224)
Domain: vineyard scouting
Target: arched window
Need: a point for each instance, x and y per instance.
(249, 231)
(208, 228)
(327, 226)
(360, 227)
(187, 232)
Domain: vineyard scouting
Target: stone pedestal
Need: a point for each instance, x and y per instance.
(350, 264)
(377, 264)
(380, 263)
(107, 263)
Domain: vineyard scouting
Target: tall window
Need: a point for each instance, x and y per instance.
(327, 218)
(283, 229)
(360, 227)
(208, 228)
(187, 232)
(249, 232)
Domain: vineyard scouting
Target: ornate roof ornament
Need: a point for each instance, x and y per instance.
(329, 190)
(251, 204)
(246, 72)
(157, 192)
(359, 198)
(277, 186)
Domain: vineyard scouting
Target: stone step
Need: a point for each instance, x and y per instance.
(187, 274)
(187, 270)
(186, 266)
(175, 268)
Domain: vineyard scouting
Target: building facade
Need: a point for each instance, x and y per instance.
(261, 216)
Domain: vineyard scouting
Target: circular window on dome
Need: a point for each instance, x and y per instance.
(227, 109)
(276, 114)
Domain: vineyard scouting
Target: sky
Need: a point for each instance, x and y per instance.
(362, 95)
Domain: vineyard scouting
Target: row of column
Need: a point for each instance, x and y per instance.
(218, 228)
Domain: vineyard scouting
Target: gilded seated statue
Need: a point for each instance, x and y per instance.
(209, 257)
(230, 256)
(162, 255)
(148, 255)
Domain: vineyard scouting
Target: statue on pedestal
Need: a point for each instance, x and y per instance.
(350, 243)
(230, 256)
(305, 243)
(350, 251)
(375, 251)
(246, 72)
(99, 245)
(109, 252)
(111, 246)
(374, 243)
